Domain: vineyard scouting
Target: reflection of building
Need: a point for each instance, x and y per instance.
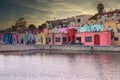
(114, 28)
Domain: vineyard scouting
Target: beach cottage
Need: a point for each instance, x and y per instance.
(94, 38)
(50, 39)
(7, 38)
(41, 38)
(60, 38)
(114, 28)
(15, 38)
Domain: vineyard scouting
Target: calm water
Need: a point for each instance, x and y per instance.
(42, 66)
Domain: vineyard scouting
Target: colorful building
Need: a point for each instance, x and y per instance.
(50, 39)
(93, 27)
(41, 38)
(57, 38)
(97, 27)
(7, 38)
(85, 28)
(1, 39)
(60, 38)
(94, 38)
(62, 30)
(54, 30)
(15, 38)
(71, 34)
(114, 28)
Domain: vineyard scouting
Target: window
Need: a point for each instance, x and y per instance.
(57, 39)
(116, 39)
(78, 20)
(0, 39)
(88, 39)
(79, 39)
(41, 39)
(64, 39)
(119, 30)
(48, 39)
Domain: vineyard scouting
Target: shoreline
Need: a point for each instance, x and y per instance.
(58, 48)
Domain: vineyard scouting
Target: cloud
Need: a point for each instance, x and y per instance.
(38, 11)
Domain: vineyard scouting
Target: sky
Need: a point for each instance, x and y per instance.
(38, 11)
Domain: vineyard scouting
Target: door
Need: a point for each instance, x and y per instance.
(96, 39)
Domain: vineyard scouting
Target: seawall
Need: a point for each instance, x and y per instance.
(21, 47)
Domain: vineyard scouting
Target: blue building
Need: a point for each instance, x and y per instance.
(93, 28)
(85, 28)
(7, 38)
(97, 27)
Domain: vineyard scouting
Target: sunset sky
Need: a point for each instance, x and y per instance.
(38, 11)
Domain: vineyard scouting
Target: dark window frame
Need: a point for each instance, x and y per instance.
(78, 38)
(116, 39)
(57, 39)
(88, 39)
(64, 39)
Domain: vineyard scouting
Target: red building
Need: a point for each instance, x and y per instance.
(71, 34)
(94, 38)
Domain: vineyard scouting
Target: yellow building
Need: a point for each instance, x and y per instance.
(114, 27)
(41, 38)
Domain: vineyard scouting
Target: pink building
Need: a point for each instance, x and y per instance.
(94, 38)
(62, 30)
(57, 38)
(60, 38)
(15, 38)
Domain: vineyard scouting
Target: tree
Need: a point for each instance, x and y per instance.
(42, 26)
(93, 18)
(100, 9)
(32, 28)
(21, 25)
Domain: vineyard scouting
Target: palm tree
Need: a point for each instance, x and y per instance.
(100, 9)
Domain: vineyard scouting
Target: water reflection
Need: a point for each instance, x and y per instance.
(45, 66)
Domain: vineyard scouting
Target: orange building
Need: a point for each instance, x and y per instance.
(114, 28)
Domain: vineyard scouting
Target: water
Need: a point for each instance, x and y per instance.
(42, 66)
